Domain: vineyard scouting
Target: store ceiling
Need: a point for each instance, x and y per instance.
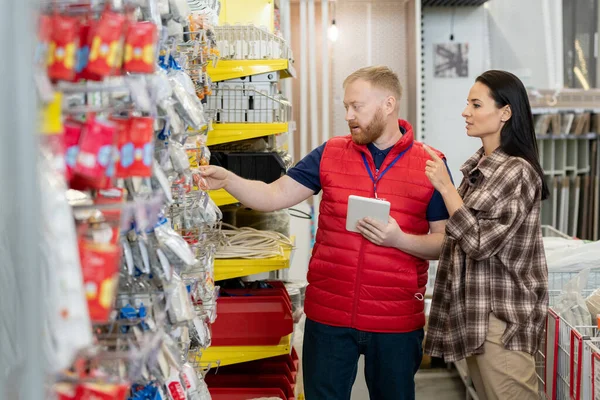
(452, 3)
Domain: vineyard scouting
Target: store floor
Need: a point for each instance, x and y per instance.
(434, 384)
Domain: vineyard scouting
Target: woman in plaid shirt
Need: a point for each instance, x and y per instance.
(490, 297)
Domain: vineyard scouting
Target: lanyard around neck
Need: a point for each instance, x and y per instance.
(377, 177)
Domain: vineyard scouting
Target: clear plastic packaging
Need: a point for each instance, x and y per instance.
(170, 239)
(179, 158)
(571, 305)
(180, 307)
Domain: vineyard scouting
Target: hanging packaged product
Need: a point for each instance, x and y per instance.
(141, 134)
(62, 52)
(88, 391)
(174, 386)
(44, 35)
(125, 149)
(181, 309)
(95, 159)
(112, 217)
(83, 54)
(100, 267)
(140, 48)
(106, 44)
(71, 145)
(135, 147)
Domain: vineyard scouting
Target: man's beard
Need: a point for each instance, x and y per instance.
(373, 131)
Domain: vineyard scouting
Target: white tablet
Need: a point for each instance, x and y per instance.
(363, 207)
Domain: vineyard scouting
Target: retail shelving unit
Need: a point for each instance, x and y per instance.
(222, 198)
(233, 69)
(246, 106)
(229, 355)
(567, 124)
(233, 132)
(238, 268)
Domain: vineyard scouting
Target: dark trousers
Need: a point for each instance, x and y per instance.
(330, 361)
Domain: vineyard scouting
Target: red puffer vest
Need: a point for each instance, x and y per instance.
(352, 282)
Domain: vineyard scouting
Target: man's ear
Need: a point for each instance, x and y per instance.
(390, 105)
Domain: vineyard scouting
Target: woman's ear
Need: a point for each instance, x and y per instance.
(506, 114)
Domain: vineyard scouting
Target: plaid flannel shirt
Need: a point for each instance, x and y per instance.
(492, 260)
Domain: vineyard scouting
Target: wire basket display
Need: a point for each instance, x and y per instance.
(248, 42)
(234, 102)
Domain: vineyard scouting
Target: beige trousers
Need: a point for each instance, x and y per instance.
(501, 374)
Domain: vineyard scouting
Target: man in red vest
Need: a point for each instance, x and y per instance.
(366, 291)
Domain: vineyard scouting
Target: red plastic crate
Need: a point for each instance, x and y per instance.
(291, 359)
(252, 381)
(245, 393)
(253, 317)
(263, 367)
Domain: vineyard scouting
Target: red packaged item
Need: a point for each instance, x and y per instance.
(113, 217)
(62, 52)
(124, 147)
(140, 48)
(96, 391)
(100, 269)
(44, 34)
(141, 135)
(95, 160)
(71, 146)
(106, 40)
(83, 55)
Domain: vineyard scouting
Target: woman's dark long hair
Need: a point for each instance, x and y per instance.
(517, 137)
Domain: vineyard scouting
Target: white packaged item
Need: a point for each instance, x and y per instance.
(160, 85)
(175, 29)
(163, 7)
(184, 79)
(180, 306)
(188, 106)
(180, 10)
(173, 241)
(67, 322)
(189, 377)
(159, 176)
(179, 158)
(203, 392)
(176, 124)
(174, 386)
(139, 93)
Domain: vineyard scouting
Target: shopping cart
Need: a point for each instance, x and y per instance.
(564, 360)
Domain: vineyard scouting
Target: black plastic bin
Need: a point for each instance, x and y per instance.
(265, 167)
